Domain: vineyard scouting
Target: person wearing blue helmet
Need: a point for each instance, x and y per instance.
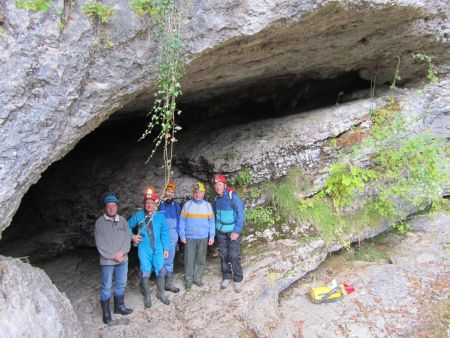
(112, 239)
(152, 240)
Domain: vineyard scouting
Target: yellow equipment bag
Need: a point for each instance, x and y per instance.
(325, 294)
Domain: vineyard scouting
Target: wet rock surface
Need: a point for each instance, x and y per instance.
(404, 298)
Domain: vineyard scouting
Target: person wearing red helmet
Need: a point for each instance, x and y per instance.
(229, 215)
(153, 245)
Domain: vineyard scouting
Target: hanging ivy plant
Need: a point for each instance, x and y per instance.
(166, 19)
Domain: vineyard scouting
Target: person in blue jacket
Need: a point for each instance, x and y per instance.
(229, 212)
(172, 212)
(152, 241)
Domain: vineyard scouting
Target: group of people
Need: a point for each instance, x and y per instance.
(156, 230)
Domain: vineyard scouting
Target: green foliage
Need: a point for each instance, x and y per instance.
(98, 12)
(319, 213)
(260, 218)
(344, 180)
(254, 192)
(367, 252)
(440, 205)
(410, 169)
(167, 20)
(387, 122)
(401, 227)
(144, 7)
(230, 154)
(34, 5)
(282, 195)
(431, 74)
(243, 178)
(414, 172)
(407, 171)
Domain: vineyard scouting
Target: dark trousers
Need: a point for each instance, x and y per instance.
(230, 256)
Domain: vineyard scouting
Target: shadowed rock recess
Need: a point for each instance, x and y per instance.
(268, 86)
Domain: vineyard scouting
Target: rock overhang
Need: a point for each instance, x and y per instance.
(231, 45)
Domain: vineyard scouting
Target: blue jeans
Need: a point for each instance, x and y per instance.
(168, 262)
(120, 272)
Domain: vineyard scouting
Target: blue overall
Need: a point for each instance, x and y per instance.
(172, 212)
(151, 248)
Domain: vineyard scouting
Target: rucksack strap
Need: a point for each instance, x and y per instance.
(328, 295)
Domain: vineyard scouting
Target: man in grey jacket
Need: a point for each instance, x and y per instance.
(112, 239)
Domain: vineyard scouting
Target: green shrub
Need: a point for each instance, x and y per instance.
(142, 7)
(260, 218)
(243, 178)
(97, 11)
(254, 192)
(34, 5)
(344, 181)
(401, 227)
(431, 74)
(320, 214)
(367, 252)
(282, 194)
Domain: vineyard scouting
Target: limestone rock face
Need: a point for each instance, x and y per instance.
(59, 213)
(268, 148)
(31, 305)
(58, 84)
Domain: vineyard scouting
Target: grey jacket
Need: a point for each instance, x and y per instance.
(111, 236)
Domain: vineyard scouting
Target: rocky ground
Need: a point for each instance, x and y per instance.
(405, 294)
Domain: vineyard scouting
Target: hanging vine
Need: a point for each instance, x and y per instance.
(166, 18)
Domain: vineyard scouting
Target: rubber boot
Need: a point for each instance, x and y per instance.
(145, 287)
(160, 293)
(119, 306)
(169, 283)
(106, 311)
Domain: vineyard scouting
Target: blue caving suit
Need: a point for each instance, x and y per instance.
(172, 212)
(155, 240)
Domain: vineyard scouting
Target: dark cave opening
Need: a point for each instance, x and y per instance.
(58, 213)
(268, 98)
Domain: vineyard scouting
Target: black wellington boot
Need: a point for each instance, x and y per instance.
(160, 293)
(119, 306)
(106, 311)
(169, 283)
(145, 288)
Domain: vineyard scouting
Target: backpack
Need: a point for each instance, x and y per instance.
(226, 227)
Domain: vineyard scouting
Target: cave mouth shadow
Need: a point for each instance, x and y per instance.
(269, 98)
(57, 214)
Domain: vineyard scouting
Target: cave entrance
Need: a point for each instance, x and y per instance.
(54, 225)
(57, 213)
